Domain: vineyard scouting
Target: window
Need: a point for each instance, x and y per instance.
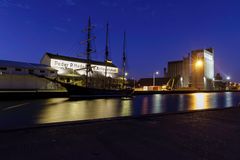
(18, 69)
(30, 71)
(42, 71)
(3, 68)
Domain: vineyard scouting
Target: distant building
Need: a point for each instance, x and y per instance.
(149, 82)
(179, 71)
(175, 72)
(202, 68)
(196, 70)
(18, 75)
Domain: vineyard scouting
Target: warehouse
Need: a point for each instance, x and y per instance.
(18, 75)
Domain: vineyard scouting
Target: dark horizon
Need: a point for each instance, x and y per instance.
(157, 31)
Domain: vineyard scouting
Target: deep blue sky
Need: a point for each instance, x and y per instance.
(157, 30)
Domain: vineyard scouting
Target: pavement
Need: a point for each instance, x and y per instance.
(212, 134)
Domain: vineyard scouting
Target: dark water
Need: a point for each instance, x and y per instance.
(24, 113)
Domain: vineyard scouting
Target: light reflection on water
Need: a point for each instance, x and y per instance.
(199, 100)
(59, 110)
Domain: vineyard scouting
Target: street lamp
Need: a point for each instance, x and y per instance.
(154, 77)
(228, 82)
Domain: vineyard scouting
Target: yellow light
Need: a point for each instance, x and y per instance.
(199, 63)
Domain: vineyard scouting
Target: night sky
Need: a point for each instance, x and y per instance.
(157, 31)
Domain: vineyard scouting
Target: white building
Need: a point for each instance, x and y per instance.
(18, 75)
(74, 67)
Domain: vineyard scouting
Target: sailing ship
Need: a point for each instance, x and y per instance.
(89, 91)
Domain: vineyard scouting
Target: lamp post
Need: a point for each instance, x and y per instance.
(154, 77)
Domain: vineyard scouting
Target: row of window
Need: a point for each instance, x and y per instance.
(29, 71)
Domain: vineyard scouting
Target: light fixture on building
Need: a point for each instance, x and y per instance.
(228, 78)
(199, 63)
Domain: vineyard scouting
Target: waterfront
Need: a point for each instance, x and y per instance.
(25, 113)
(194, 135)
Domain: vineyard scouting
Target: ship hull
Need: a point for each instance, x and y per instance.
(75, 91)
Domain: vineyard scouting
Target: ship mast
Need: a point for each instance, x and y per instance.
(106, 54)
(89, 50)
(124, 61)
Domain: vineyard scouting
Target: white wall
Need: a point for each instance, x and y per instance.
(8, 81)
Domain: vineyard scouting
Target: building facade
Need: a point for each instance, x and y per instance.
(202, 68)
(175, 68)
(74, 67)
(179, 72)
(175, 72)
(185, 77)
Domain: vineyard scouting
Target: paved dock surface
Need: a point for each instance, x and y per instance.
(196, 135)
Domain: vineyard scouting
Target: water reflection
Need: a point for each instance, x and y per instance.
(82, 110)
(145, 105)
(126, 108)
(229, 101)
(199, 101)
(157, 103)
(59, 110)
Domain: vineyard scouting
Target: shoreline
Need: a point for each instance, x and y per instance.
(42, 94)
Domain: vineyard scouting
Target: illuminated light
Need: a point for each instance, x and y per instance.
(126, 74)
(108, 61)
(228, 78)
(181, 79)
(199, 63)
(157, 73)
(62, 66)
